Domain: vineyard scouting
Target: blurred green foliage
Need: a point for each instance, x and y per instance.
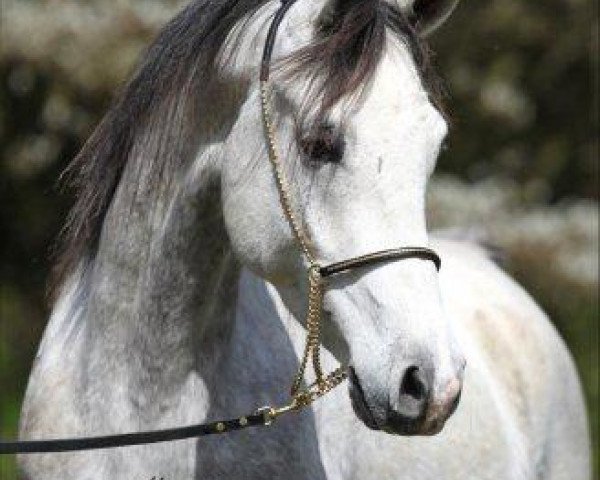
(522, 78)
(522, 82)
(574, 311)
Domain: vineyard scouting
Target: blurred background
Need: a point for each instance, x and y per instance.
(519, 170)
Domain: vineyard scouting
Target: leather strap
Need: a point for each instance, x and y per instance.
(265, 67)
(369, 259)
(262, 417)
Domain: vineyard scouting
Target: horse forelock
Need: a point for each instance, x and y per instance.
(350, 40)
(154, 121)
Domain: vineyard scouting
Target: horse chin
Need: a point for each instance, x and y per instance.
(431, 424)
(415, 430)
(359, 402)
(393, 424)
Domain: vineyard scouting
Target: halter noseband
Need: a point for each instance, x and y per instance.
(317, 273)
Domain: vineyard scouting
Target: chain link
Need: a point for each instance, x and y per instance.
(323, 383)
(280, 178)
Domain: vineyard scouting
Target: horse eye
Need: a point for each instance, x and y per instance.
(324, 145)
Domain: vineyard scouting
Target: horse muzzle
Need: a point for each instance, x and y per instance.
(416, 409)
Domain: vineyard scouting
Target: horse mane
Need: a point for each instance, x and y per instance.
(152, 120)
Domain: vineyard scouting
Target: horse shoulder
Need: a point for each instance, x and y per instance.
(512, 339)
(49, 408)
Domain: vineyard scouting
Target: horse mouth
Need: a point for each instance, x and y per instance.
(359, 402)
(430, 423)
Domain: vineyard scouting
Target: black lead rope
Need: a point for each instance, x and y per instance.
(260, 418)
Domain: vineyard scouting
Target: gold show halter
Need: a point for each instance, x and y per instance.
(304, 396)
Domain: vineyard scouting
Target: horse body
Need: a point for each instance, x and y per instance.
(189, 311)
(520, 375)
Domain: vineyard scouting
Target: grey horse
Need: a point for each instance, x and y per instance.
(180, 295)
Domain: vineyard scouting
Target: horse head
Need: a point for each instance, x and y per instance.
(358, 127)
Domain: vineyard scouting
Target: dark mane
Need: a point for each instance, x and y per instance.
(159, 102)
(163, 100)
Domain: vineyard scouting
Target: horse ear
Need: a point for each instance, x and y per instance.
(428, 15)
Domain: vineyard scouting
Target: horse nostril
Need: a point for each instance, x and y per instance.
(414, 393)
(414, 384)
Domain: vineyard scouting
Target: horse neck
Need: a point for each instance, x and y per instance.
(159, 297)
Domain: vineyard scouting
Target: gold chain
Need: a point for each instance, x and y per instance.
(323, 384)
(280, 179)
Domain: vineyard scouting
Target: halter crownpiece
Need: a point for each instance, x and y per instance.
(302, 397)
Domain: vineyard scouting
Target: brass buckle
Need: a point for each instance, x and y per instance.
(270, 414)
